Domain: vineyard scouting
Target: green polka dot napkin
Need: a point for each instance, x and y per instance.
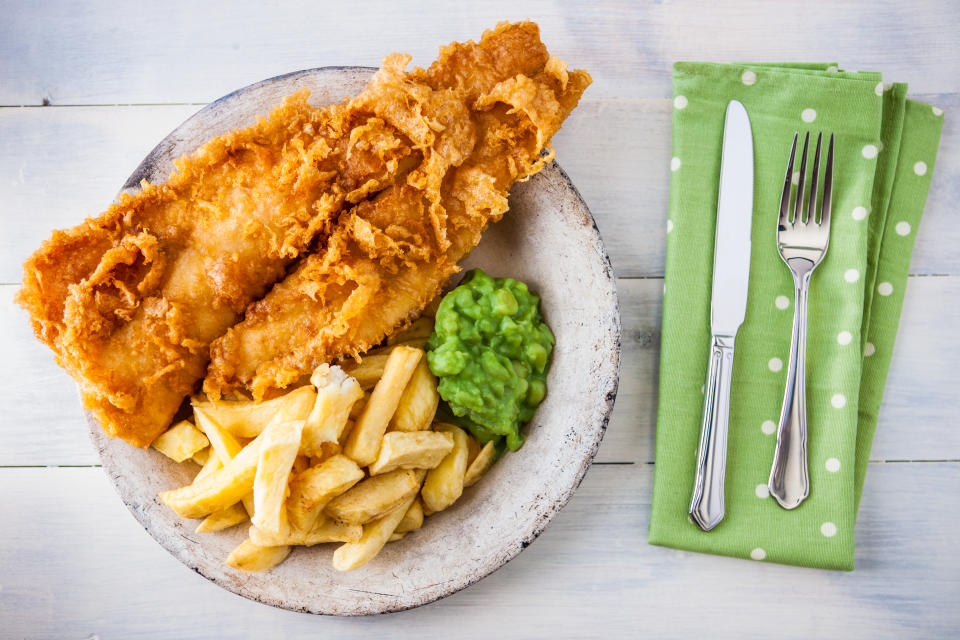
(885, 151)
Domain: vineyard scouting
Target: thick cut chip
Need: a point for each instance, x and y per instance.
(369, 370)
(278, 451)
(374, 497)
(247, 419)
(253, 557)
(312, 489)
(418, 330)
(337, 392)
(212, 464)
(223, 443)
(324, 531)
(414, 450)
(412, 519)
(223, 519)
(201, 457)
(444, 484)
(481, 464)
(375, 535)
(363, 443)
(219, 489)
(419, 401)
(180, 441)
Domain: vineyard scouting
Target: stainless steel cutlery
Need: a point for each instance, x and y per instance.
(802, 240)
(731, 270)
(803, 235)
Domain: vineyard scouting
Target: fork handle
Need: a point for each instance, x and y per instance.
(789, 480)
(706, 507)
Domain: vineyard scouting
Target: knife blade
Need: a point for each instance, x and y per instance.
(728, 305)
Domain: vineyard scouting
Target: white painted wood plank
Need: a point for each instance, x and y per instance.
(42, 425)
(99, 52)
(77, 564)
(59, 165)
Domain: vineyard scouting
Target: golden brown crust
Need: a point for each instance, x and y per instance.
(130, 300)
(388, 257)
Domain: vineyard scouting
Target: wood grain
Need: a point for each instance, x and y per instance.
(77, 565)
(44, 425)
(182, 51)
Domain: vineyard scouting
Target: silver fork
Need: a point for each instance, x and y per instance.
(802, 240)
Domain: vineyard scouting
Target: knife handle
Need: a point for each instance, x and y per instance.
(706, 508)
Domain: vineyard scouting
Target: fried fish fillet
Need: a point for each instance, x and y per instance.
(389, 256)
(130, 300)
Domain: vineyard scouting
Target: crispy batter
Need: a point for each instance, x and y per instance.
(130, 300)
(389, 256)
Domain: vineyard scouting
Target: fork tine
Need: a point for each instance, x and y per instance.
(812, 216)
(827, 187)
(787, 183)
(798, 209)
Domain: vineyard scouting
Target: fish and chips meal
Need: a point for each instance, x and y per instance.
(287, 279)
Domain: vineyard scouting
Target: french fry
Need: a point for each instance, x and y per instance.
(480, 465)
(327, 451)
(473, 448)
(278, 451)
(374, 497)
(312, 489)
(413, 450)
(418, 329)
(223, 443)
(419, 401)
(368, 371)
(363, 443)
(337, 392)
(324, 531)
(212, 464)
(354, 554)
(180, 441)
(444, 484)
(253, 557)
(412, 519)
(223, 519)
(248, 419)
(357, 410)
(201, 457)
(219, 489)
(396, 536)
(300, 463)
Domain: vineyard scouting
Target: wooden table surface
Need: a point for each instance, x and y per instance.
(87, 89)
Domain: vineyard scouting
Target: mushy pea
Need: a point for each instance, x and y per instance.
(490, 350)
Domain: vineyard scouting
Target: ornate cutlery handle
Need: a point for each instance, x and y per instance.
(706, 508)
(789, 482)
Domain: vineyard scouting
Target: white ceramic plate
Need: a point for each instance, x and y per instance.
(549, 240)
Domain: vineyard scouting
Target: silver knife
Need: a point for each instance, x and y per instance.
(731, 270)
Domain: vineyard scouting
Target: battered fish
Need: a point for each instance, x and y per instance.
(130, 300)
(388, 257)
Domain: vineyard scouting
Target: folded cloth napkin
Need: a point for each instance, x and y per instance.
(885, 150)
